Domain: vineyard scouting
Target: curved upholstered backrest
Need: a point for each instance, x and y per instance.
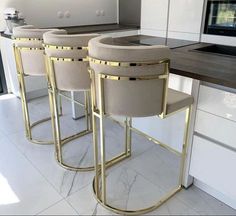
(134, 98)
(29, 42)
(71, 74)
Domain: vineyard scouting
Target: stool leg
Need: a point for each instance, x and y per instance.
(86, 109)
(50, 96)
(56, 126)
(103, 159)
(25, 108)
(128, 134)
(95, 151)
(90, 110)
(185, 144)
(60, 104)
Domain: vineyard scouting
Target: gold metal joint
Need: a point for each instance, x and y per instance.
(138, 78)
(49, 46)
(55, 59)
(127, 64)
(28, 39)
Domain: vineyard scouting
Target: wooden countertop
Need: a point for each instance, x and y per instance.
(89, 29)
(208, 67)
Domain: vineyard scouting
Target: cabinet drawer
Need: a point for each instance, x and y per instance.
(215, 166)
(216, 128)
(218, 102)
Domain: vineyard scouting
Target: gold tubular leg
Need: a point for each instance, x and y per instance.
(60, 104)
(90, 110)
(185, 144)
(95, 150)
(86, 109)
(103, 159)
(128, 134)
(51, 104)
(56, 126)
(100, 173)
(24, 106)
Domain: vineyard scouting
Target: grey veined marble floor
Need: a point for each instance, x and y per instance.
(32, 183)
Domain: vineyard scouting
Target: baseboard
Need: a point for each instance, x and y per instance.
(37, 93)
(213, 192)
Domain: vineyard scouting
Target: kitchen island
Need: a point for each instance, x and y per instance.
(211, 79)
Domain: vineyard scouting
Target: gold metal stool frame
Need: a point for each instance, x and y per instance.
(100, 171)
(21, 79)
(53, 91)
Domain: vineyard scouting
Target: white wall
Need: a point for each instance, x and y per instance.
(43, 13)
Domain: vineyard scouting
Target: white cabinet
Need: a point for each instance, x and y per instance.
(218, 102)
(154, 17)
(215, 166)
(185, 19)
(216, 128)
(214, 147)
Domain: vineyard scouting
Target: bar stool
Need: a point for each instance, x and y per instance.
(131, 81)
(67, 69)
(29, 58)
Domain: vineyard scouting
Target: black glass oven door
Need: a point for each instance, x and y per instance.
(221, 18)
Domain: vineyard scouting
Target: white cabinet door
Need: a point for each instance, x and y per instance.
(214, 165)
(154, 17)
(185, 19)
(216, 128)
(218, 102)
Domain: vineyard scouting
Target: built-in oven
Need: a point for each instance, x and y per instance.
(221, 17)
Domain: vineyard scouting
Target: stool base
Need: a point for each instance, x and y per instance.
(109, 163)
(36, 141)
(139, 211)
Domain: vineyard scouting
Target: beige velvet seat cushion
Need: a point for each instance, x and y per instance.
(69, 75)
(32, 60)
(177, 100)
(140, 98)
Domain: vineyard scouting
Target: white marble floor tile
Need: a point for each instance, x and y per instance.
(60, 208)
(203, 203)
(43, 158)
(159, 166)
(23, 189)
(127, 189)
(85, 203)
(174, 207)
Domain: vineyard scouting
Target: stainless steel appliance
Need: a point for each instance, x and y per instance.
(221, 17)
(13, 18)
